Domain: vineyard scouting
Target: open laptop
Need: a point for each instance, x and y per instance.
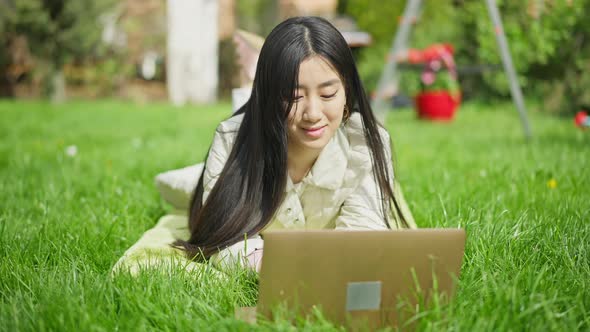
(364, 278)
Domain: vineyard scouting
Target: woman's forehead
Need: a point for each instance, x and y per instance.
(316, 71)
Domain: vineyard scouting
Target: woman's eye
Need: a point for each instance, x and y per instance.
(329, 96)
(297, 98)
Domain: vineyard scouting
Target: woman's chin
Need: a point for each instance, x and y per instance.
(315, 144)
(312, 142)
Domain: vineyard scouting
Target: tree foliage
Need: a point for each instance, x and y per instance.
(57, 31)
(257, 16)
(549, 41)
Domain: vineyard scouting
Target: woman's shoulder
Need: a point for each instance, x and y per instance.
(354, 130)
(230, 125)
(225, 135)
(354, 145)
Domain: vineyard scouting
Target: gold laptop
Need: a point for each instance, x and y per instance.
(359, 278)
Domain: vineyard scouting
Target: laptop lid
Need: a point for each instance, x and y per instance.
(358, 275)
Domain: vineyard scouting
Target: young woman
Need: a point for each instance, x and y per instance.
(305, 152)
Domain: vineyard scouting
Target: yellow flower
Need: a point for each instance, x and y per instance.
(552, 184)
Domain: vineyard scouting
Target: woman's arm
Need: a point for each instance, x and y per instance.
(247, 253)
(362, 208)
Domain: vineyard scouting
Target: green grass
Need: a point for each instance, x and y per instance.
(64, 221)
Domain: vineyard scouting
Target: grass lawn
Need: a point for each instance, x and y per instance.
(65, 220)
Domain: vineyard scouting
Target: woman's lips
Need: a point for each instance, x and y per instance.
(315, 132)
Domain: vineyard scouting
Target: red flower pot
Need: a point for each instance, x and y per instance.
(437, 105)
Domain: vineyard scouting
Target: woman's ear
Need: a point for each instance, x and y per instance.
(346, 114)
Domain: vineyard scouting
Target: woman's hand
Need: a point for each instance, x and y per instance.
(254, 259)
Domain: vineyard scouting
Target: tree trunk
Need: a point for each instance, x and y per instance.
(57, 88)
(192, 51)
(6, 86)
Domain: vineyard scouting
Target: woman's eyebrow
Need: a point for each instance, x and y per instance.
(322, 85)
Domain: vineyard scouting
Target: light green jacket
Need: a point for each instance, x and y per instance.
(338, 193)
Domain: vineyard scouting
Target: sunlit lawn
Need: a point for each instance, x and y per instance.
(67, 214)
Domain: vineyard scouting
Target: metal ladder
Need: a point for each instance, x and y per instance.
(388, 83)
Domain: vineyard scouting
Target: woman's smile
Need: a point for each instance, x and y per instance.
(315, 132)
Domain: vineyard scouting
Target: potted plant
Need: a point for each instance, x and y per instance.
(439, 95)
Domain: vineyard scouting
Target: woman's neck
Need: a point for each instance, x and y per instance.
(299, 162)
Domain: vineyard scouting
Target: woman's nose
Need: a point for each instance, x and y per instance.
(313, 111)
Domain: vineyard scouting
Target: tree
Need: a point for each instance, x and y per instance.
(549, 41)
(57, 31)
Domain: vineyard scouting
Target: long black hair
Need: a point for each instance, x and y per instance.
(251, 185)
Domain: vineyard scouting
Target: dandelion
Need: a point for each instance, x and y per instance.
(71, 151)
(137, 142)
(552, 184)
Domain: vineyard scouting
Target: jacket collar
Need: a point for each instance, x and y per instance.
(347, 150)
(328, 170)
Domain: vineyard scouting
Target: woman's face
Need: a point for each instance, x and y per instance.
(318, 106)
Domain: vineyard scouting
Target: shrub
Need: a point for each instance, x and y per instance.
(57, 31)
(549, 42)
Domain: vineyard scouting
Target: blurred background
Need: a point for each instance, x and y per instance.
(91, 95)
(186, 51)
